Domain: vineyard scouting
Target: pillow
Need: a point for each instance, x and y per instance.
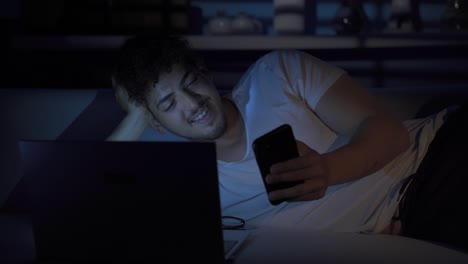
(101, 117)
(97, 121)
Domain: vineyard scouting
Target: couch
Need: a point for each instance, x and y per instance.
(91, 114)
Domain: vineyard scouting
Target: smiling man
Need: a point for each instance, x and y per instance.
(354, 153)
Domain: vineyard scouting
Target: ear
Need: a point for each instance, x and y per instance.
(157, 126)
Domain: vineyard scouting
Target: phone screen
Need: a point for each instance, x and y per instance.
(273, 147)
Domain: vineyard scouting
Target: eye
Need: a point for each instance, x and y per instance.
(167, 106)
(193, 80)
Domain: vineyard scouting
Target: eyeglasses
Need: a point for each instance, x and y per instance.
(232, 222)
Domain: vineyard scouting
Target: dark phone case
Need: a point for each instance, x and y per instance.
(273, 147)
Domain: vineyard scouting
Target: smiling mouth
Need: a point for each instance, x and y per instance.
(201, 115)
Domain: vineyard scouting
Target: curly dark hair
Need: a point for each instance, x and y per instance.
(143, 58)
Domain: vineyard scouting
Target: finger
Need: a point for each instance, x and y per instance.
(303, 149)
(295, 175)
(309, 167)
(283, 194)
(296, 191)
(314, 185)
(296, 163)
(122, 98)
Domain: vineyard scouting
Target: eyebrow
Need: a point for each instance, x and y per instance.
(186, 74)
(165, 98)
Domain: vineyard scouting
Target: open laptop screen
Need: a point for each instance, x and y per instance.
(122, 201)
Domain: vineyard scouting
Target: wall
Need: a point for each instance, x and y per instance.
(9, 9)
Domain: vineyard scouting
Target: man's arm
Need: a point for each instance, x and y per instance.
(130, 128)
(377, 136)
(134, 122)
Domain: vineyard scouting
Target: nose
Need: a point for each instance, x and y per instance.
(190, 101)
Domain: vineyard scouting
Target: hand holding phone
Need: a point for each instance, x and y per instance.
(273, 147)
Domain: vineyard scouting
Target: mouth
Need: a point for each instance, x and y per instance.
(202, 116)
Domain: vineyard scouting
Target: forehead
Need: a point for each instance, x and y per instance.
(170, 80)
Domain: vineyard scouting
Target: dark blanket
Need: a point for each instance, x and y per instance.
(434, 207)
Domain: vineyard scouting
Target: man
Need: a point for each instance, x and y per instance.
(354, 154)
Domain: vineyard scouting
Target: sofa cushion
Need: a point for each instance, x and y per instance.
(33, 114)
(97, 121)
(101, 117)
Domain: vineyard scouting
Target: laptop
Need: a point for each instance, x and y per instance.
(135, 202)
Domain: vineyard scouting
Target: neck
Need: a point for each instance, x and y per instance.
(230, 146)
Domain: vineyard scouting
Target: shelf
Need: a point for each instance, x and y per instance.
(248, 42)
(314, 42)
(85, 61)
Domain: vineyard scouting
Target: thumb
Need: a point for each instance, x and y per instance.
(303, 149)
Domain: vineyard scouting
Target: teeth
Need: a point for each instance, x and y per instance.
(200, 116)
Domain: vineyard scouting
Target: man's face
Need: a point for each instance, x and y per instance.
(186, 103)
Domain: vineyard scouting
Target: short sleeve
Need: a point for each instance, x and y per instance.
(309, 77)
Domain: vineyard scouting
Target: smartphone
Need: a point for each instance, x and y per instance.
(273, 147)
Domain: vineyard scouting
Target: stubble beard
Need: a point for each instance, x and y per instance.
(219, 130)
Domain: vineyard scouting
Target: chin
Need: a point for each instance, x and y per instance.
(215, 132)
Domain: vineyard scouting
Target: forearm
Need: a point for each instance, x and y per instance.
(376, 142)
(129, 129)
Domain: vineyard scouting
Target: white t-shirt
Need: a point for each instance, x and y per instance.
(284, 87)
